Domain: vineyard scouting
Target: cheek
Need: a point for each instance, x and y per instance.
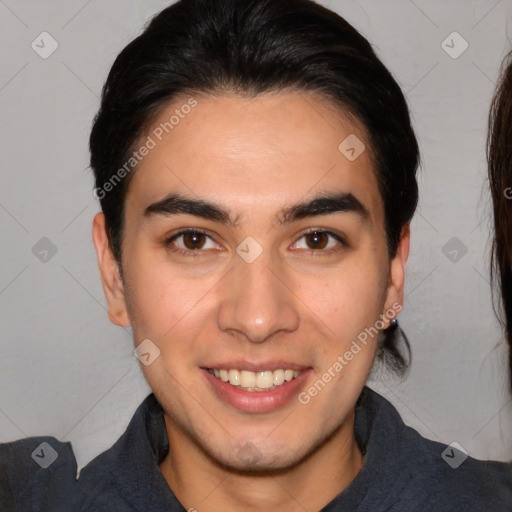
(347, 298)
(347, 307)
(161, 301)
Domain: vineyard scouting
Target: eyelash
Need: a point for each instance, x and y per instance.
(195, 252)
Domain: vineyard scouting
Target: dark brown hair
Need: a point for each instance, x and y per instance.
(499, 157)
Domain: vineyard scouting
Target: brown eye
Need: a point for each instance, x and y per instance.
(194, 240)
(191, 242)
(320, 242)
(317, 239)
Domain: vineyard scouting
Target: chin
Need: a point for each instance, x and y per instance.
(252, 461)
(247, 457)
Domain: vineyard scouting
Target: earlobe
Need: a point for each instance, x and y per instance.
(110, 275)
(395, 291)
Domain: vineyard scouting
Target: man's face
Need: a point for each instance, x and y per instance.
(264, 279)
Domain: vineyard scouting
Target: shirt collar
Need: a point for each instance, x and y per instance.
(130, 467)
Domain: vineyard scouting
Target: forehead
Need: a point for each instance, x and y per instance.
(271, 149)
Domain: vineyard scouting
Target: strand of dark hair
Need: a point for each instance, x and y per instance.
(499, 157)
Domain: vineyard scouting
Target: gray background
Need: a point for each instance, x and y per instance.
(66, 371)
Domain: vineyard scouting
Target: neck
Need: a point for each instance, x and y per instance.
(198, 482)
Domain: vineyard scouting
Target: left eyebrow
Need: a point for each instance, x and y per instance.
(175, 204)
(325, 205)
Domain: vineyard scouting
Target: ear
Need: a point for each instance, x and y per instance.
(110, 275)
(396, 280)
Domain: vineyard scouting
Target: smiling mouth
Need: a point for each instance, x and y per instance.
(255, 381)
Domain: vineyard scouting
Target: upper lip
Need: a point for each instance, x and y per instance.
(256, 367)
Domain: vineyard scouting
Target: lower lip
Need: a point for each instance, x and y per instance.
(256, 401)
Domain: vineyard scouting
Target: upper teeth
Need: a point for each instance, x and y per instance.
(255, 381)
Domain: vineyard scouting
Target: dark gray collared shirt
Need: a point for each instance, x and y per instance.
(402, 471)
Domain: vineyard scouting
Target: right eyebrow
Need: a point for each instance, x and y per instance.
(174, 204)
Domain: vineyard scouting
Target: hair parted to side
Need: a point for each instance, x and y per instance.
(249, 47)
(499, 157)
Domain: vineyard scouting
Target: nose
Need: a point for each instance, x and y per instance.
(256, 301)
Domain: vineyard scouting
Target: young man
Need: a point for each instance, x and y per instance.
(256, 167)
